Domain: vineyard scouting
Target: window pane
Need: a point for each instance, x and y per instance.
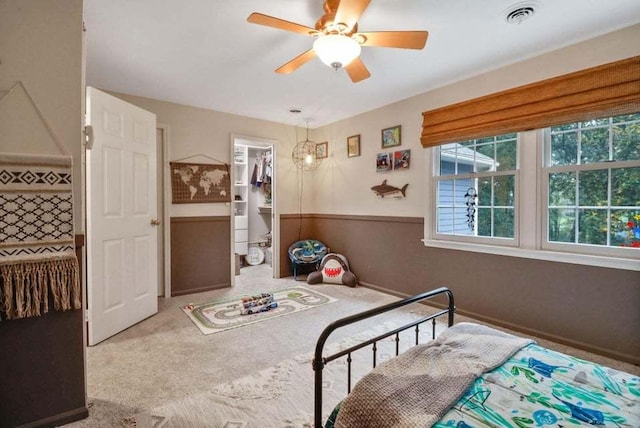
(564, 148)
(625, 228)
(503, 222)
(595, 122)
(464, 167)
(461, 188)
(484, 191)
(485, 158)
(506, 155)
(562, 225)
(512, 136)
(484, 164)
(503, 190)
(594, 145)
(625, 187)
(445, 220)
(483, 220)
(626, 118)
(593, 188)
(445, 193)
(447, 159)
(564, 127)
(453, 208)
(562, 189)
(486, 149)
(485, 140)
(626, 142)
(461, 225)
(593, 227)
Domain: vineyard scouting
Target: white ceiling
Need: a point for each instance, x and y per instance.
(203, 53)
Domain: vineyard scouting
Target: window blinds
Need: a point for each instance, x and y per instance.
(606, 90)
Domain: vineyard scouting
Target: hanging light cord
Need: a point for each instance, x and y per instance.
(301, 190)
(300, 193)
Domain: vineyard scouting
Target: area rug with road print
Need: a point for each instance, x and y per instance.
(223, 314)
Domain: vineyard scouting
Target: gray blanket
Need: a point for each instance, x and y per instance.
(418, 387)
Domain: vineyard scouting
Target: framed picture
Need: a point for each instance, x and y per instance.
(391, 137)
(322, 150)
(353, 146)
(401, 159)
(383, 162)
(199, 183)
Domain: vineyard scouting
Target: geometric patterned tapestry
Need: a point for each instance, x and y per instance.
(37, 250)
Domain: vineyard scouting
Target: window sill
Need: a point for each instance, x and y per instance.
(552, 256)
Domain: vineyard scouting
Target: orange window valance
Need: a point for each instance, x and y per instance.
(606, 90)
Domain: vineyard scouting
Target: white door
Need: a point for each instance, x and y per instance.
(122, 272)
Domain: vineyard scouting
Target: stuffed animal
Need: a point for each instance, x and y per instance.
(334, 269)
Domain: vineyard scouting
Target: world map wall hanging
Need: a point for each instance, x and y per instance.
(193, 183)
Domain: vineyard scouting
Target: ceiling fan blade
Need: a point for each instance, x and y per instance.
(395, 39)
(296, 63)
(280, 24)
(349, 12)
(357, 70)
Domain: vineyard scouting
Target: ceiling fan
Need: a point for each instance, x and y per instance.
(338, 41)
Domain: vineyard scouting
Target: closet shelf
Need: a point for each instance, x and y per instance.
(264, 209)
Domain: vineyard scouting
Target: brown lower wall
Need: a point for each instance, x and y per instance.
(588, 307)
(42, 368)
(200, 254)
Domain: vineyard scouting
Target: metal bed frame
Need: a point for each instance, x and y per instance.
(319, 361)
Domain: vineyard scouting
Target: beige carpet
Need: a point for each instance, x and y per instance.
(163, 372)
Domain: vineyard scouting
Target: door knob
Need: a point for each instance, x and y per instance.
(155, 222)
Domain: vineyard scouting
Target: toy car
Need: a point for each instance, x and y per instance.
(258, 303)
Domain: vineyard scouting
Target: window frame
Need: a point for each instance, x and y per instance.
(546, 168)
(485, 240)
(531, 178)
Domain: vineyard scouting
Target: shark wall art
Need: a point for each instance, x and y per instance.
(385, 190)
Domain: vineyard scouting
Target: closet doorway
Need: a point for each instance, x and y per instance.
(253, 218)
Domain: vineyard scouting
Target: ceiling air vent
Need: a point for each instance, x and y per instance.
(520, 12)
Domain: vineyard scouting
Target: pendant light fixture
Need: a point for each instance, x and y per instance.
(304, 154)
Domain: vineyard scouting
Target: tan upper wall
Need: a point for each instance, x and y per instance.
(197, 131)
(355, 176)
(41, 46)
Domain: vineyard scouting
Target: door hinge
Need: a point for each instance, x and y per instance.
(88, 137)
(86, 316)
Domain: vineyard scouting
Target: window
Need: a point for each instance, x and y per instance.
(558, 193)
(476, 189)
(592, 177)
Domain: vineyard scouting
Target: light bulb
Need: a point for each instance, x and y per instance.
(308, 159)
(336, 50)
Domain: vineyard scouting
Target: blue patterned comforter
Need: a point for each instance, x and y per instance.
(538, 387)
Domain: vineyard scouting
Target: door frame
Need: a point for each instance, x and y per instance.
(166, 206)
(275, 218)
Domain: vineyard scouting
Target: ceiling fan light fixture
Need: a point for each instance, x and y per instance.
(336, 50)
